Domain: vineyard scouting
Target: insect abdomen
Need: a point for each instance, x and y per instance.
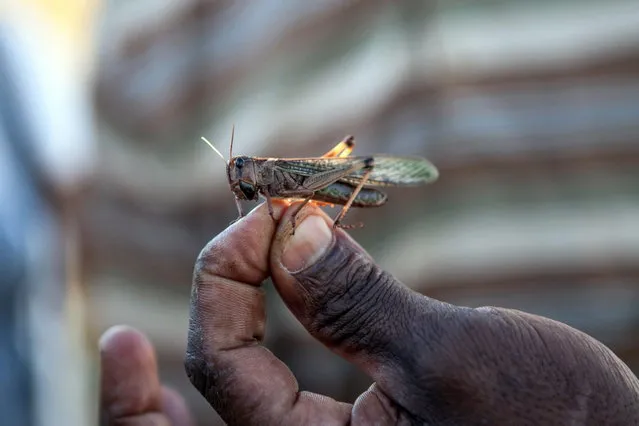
(340, 192)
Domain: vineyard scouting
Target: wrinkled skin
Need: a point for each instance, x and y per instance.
(433, 363)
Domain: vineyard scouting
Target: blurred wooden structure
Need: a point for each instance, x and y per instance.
(529, 109)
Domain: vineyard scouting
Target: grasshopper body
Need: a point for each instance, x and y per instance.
(334, 178)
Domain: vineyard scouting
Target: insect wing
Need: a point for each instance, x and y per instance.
(397, 171)
(387, 170)
(313, 165)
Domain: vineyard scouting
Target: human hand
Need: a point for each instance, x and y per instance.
(432, 362)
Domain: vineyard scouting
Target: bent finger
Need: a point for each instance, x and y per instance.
(243, 381)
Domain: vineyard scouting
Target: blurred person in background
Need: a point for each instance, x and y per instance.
(46, 154)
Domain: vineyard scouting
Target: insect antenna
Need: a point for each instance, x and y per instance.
(214, 149)
(231, 147)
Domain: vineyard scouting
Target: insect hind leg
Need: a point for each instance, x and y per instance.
(342, 149)
(368, 166)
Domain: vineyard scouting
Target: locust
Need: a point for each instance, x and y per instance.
(335, 178)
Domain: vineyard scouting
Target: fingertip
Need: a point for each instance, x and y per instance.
(129, 380)
(123, 339)
(261, 213)
(306, 246)
(240, 252)
(296, 249)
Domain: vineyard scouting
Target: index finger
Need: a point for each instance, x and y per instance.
(243, 381)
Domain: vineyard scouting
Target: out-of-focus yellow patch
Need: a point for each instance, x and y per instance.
(71, 22)
(74, 17)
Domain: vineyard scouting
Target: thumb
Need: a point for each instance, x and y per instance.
(342, 297)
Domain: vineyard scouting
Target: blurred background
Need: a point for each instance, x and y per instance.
(530, 110)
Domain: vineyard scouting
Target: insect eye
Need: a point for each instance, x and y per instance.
(248, 190)
(239, 163)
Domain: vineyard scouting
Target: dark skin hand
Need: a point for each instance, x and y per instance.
(433, 363)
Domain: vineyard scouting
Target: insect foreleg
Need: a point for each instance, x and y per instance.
(239, 210)
(239, 207)
(269, 203)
